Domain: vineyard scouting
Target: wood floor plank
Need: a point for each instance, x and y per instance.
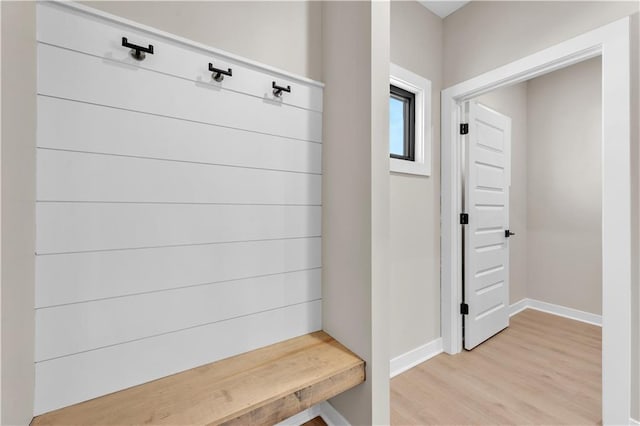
(543, 369)
(316, 421)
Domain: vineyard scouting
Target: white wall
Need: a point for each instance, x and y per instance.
(565, 197)
(416, 44)
(355, 185)
(283, 34)
(18, 210)
(512, 101)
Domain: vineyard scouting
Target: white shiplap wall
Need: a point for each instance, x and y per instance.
(178, 218)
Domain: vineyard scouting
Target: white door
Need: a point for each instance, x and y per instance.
(486, 236)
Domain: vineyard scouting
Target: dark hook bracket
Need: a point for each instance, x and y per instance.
(219, 73)
(138, 52)
(277, 90)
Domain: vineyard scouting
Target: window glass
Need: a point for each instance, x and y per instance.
(401, 123)
(396, 126)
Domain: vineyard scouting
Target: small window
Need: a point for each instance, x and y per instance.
(402, 124)
(409, 122)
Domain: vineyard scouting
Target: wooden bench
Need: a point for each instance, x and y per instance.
(260, 387)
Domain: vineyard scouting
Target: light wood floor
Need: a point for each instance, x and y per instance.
(543, 369)
(316, 421)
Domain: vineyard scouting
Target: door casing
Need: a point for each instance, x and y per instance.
(612, 42)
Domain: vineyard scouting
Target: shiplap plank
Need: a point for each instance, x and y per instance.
(63, 329)
(75, 227)
(73, 75)
(76, 176)
(78, 126)
(60, 26)
(68, 380)
(78, 277)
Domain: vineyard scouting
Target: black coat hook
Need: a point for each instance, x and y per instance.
(277, 90)
(219, 73)
(138, 52)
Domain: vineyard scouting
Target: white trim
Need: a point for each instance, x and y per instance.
(325, 410)
(301, 417)
(561, 311)
(443, 8)
(416, 356)
(633, 422)
(518, 307)
(331, 416)
(189, 43)
(421, 87)
(1, 286)
(612, 42)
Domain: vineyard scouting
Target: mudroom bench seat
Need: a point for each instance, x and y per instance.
(261, 387)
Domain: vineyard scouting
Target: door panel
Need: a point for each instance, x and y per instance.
(486, 274)
(489, 217)
(488, 176)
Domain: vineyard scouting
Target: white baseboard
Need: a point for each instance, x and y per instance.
(518, 307)
(550, 308)
(302, 417)
(633, 422)
(330, 415)
(416, 356)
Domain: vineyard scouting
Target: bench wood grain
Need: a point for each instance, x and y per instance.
(260, 387)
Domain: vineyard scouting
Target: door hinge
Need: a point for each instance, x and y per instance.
(464, 219)
(464, 128)
(464, 309)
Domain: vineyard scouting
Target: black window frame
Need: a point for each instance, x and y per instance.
(409, 100)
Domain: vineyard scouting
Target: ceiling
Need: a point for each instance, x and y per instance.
(443, 8)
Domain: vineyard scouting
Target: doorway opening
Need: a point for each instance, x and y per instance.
(532, 196)
(611, 42)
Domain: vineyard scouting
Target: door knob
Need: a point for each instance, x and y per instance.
(508, 233)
